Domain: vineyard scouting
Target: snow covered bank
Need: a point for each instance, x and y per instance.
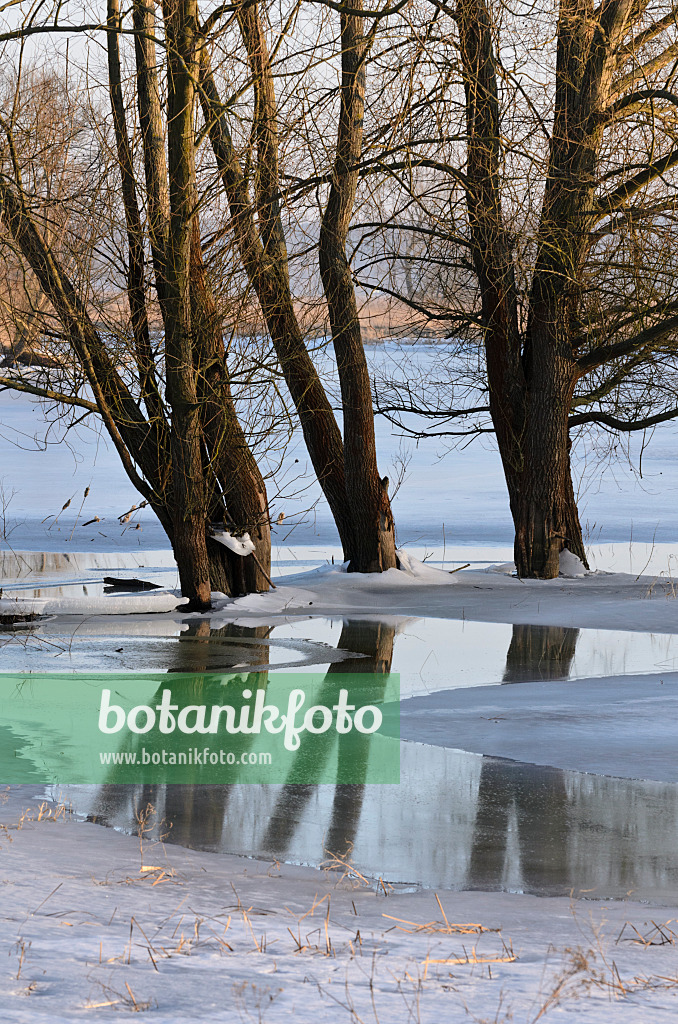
(92, 604)
(603, 600)
(95, 923)
(598, 600)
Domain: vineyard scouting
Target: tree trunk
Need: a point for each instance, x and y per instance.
(264, 256)
(269, 273)
(187, 453)
(544, 510)
(152, 137)
(190, 511)
(373, 529)
(530, 390)
(236, 486)
(135, 238)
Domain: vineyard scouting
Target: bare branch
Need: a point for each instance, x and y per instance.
(15, 384)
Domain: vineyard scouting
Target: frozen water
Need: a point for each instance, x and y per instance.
(455, 500)
(578, 791)
(626, 727)
(456, 821)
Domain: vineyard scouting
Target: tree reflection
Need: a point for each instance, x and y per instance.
(372, 645)
(196, 812)
(191, 813)
(203, 649)
(531, 796)
(540, 652)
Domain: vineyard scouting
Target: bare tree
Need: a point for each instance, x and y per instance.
(346, 468)
(165, 400)
(161, 380)
(534, 161)
(365, 490)
(57, 121)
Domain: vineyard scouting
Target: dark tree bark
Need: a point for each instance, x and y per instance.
(548, 520)
(263, 252)
(130, 431)
(135, 237)
(190, 498)
(236, 487)
(532, 377)
(346, 470)
(152, 137)
(374, 532)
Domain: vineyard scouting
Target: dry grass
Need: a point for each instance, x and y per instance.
(252, 1002)
(341, 864)
(591, 968)
(43, 812)
(310, 946)
(443, 927)
(112, 997)
(473, 959)
(658, 935)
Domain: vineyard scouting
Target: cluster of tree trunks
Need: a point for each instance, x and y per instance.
(176, 426)
(180, 441)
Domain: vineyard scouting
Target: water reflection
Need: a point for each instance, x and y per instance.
(540, 652)
(372, 645)
(529, 801)
(192, 810)
(197, 814)
(532, 803)
(430, 654)
(196, 809)
(456, 820)
(200, 648)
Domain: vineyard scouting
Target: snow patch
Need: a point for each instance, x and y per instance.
(571, 565)
(420, 571)
(502, 568)
(239, 545)
(275, 602)
(118, 604)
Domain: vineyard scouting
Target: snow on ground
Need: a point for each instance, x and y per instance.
(606, 601)
(96, 924)
(593, 599)
(596, 599)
